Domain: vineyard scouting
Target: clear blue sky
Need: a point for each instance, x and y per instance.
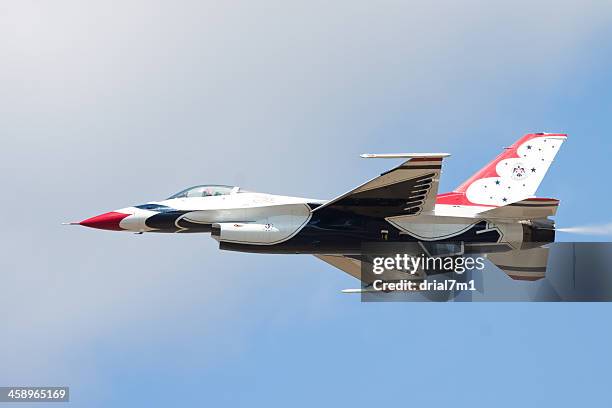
(110, 104)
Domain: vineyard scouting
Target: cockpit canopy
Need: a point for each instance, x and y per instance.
(206, 190)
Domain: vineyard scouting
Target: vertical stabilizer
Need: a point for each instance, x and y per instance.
(514, 175)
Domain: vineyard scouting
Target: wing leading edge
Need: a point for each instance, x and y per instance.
(408, 189)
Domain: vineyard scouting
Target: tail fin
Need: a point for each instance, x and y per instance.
(515, 174)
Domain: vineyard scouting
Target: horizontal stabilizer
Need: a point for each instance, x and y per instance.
(522, 264)
(529, 209)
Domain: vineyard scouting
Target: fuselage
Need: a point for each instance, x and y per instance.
(258, 222)
(495, 211)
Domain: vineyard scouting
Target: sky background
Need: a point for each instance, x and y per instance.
(113, 103)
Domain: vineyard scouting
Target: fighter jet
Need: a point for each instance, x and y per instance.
(493, 211)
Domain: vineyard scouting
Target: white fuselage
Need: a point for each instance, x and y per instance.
(267, 219)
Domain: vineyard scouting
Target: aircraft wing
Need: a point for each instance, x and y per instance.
(352, 266)
(408, 189)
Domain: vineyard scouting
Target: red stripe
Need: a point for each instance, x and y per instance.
(454, 198)
(416, 159)
(542, 199)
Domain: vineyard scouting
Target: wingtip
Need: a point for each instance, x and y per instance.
(404, 155)
(351, 291)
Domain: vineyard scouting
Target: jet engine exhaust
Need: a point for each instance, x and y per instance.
(602, 229)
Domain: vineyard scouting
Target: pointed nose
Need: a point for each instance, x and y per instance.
(107, 221)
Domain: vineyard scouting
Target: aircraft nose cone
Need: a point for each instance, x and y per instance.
(107, 221)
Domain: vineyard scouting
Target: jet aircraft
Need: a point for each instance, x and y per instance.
(495, 211)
